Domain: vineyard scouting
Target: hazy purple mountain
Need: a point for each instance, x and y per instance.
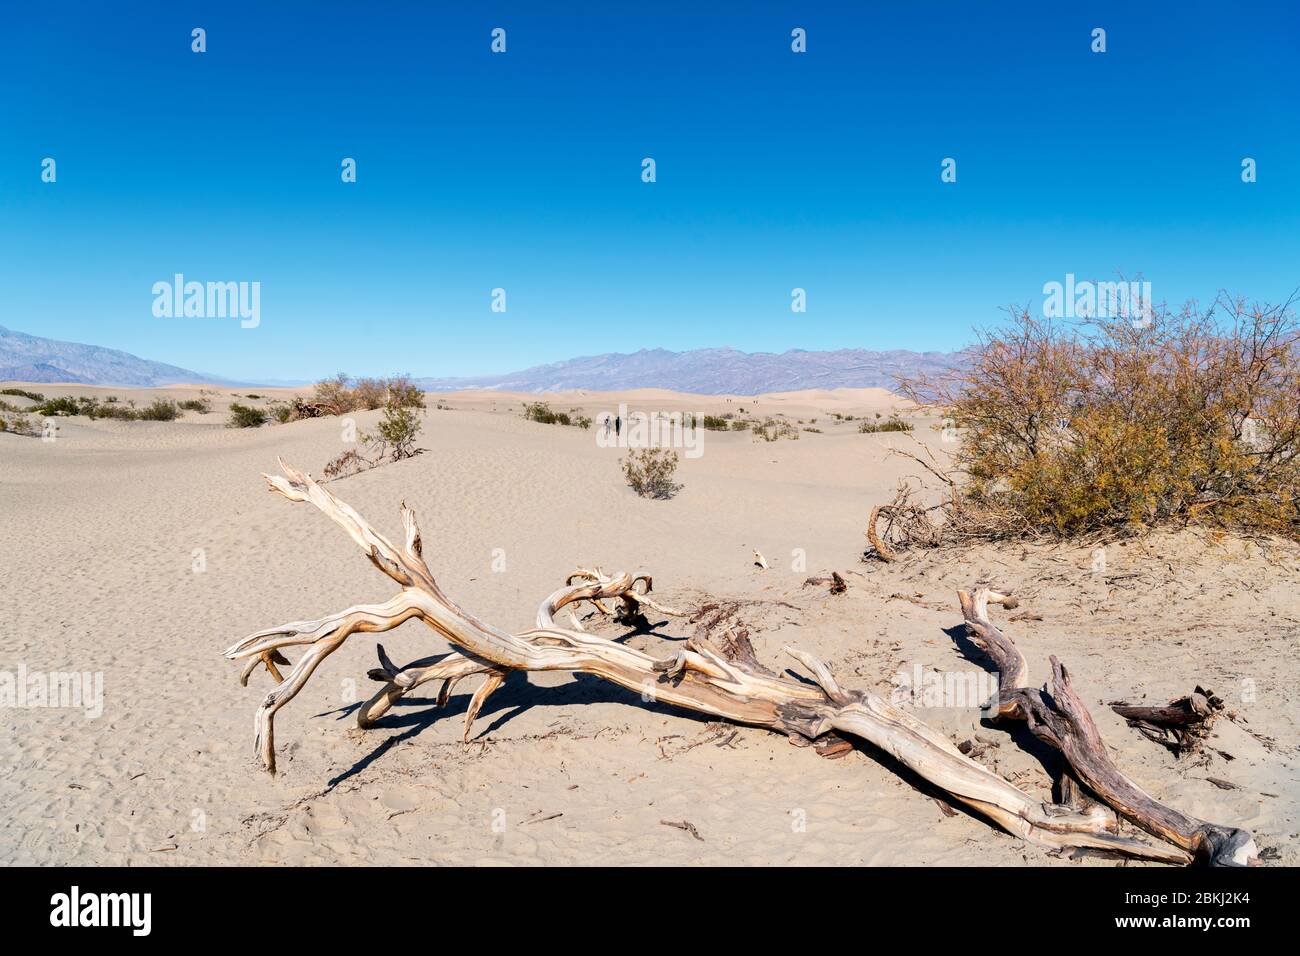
(39, 372)
(713, 371)
(30, 358)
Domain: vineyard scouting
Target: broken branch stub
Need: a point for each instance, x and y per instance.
(1182, 725)
(1057, 715)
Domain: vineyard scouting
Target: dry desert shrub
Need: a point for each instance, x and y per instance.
(333, 397)
(402, 393)
(392, 440)
(348, 463)
(649, 472)
(1066, 430)
(894, 423)
(15, 421)
(369, 393)
(773, 430)
(372, 393)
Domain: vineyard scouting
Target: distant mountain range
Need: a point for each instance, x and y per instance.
(30, 358)
(713, 371)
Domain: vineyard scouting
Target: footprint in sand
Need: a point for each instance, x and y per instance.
(400, 798)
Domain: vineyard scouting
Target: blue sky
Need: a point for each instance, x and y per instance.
(523, 171)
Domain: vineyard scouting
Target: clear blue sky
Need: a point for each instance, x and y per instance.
(522, 171)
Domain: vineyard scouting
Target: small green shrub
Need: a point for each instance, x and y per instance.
(542, 412)
(34, 396)
(397, 431)
(393, 439)
(65, 405)
(716, 423)
(160, 410)
(114, 411)
(245, 416)
(60, 406)
(649, 472)
(200, 405)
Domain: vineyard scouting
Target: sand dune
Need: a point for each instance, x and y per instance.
(104, 529)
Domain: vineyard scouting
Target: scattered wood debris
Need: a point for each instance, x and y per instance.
(684, 825)
(832, 746)
(946, 807)
(552, 816)
(836, 581)
(1181, 725)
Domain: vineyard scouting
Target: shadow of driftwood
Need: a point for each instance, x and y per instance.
(412, 715)
(1048, 756)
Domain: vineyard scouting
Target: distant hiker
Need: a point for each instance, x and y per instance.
(608, 422)
(618, 424)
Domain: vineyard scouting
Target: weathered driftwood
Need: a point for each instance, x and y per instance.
(724, 682)
(453, 667)
(1182, 725)
(873, 536)
(1058, 716)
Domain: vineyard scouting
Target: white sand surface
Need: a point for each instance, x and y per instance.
(100, 529)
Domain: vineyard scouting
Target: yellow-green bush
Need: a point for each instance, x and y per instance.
(1180, 416)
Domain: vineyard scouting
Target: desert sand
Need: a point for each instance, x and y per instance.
(141, 550)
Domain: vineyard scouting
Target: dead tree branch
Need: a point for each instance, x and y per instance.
(701, 677)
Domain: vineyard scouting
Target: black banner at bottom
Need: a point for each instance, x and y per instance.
(261, 904)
